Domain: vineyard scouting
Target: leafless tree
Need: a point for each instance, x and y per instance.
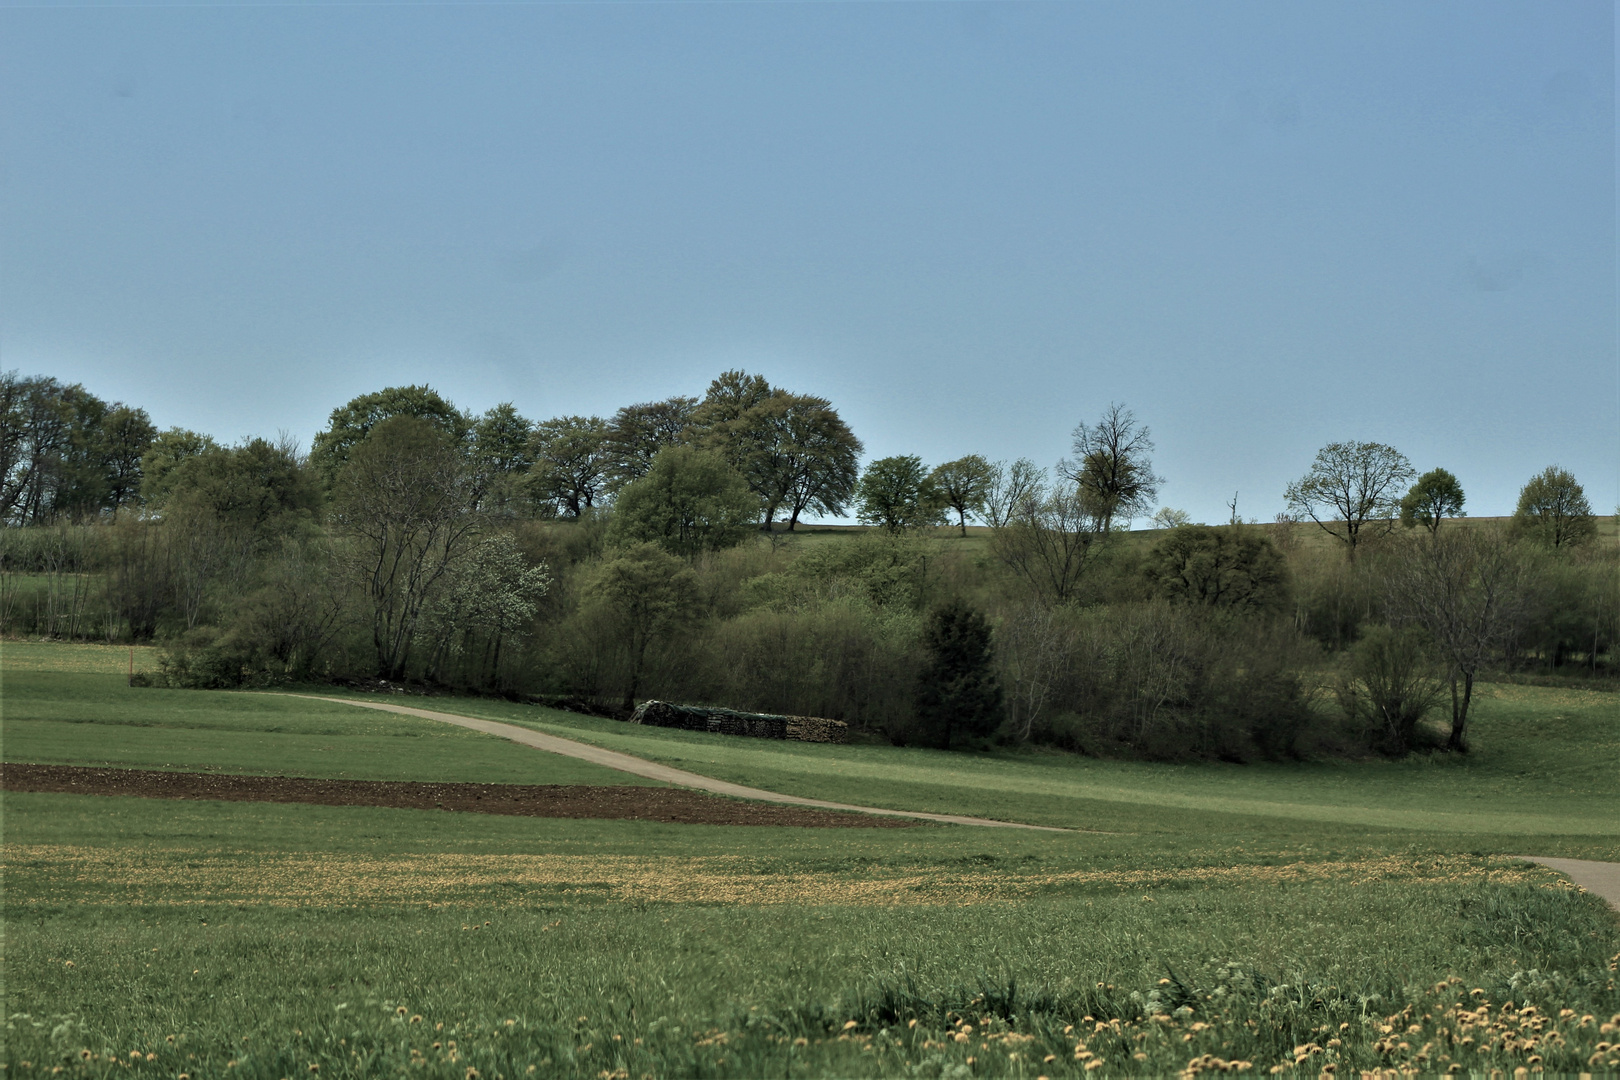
(1468, 588)
(1009, 486)
(1048, 541)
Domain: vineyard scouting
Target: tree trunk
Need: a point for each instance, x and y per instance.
(1459, 721)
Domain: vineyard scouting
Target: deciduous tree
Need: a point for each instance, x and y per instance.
(1048, 541)
(1469, 589)
(649, 593)
(963, 485)
(352, 422)
(1553, 510)
(1235, 568)
(404, 499)
(690, 501)
(1008, 487)
(896, 493)
(1352, 491)
(1436, 495)
(638, 432)
(570, 463)
(1113, 467)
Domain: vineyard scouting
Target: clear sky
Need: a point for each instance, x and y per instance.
(1262, 226)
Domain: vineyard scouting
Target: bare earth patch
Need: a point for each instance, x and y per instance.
(674, 805)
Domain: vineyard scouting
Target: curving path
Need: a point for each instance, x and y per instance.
(1598, 878)
(612, 759)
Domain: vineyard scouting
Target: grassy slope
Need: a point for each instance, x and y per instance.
(298, 929)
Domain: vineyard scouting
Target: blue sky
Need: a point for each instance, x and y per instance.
(1262, 226)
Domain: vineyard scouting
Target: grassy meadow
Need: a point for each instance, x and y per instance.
(1264, 918)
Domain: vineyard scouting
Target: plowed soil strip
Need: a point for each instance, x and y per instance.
(525, 800)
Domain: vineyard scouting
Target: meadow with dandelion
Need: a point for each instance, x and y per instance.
(1294, 920)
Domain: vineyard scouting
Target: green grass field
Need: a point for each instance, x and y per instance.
(1252, 917)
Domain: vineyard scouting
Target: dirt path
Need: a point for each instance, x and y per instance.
(612, 759)
(1598, 878)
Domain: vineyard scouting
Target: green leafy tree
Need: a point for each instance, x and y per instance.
(164, 455)
(794, 450)
(1113, 467)
(649, 594)
(487, 599)
(1393, 687)
(126, 435)
(897, 494)
(1232, 568)
(1436, 495)
(638, 432)
(1553, 510)
(958, 692)
(1352, 491)
(571, 461)
(963, 485)
(351, 423)
(404, 500)
(1169, 518)
(502, 455)
(689, 501)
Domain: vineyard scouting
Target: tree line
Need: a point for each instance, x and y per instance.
(596, 561)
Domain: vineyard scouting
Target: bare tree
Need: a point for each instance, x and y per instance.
(1008, 486)
(1468, 589)
(1353, 491)
(1113, 468)
(1048, 541)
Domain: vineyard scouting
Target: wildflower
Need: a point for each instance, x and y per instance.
(850, 1024)
(802, 1041)
(417, 1019)
(1094, 1063)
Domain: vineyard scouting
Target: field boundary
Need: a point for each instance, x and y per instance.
(652, 770)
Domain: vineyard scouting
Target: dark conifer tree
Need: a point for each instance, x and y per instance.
(958, 693)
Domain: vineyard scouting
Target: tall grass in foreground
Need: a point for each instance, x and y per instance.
(1354, 976)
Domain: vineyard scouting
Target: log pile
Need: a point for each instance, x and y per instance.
(732, 722)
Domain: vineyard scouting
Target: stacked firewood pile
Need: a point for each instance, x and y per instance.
(732, 722)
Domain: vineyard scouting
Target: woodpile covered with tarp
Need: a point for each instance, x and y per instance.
(732, 722)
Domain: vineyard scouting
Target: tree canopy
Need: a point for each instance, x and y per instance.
(963, 485)
(897, 494)
(1436, 495)
(1113, 467)
(689, 501)
(1352, 491)
(352, 422)
(1553, 510)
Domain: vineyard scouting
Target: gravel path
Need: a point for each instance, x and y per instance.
(612, 759)
(1598, 878)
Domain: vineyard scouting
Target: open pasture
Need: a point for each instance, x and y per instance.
(1361, 915)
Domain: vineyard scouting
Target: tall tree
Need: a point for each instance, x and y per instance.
(649, 594)
(404, 499)
(793, 449)
(1048, 541)
(1352, 491)
(165, 454)
(502, 455)
(1469, 589)
(638, 432)
(1436, 495)
(689, 502)
(1553, 509)
(896, 493)
(963, 485)
(958, 692)
(570, 463)
(1113, 466)
(1007, 489)
(352, 422)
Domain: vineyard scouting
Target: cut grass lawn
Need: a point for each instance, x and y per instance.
(1303, 913)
